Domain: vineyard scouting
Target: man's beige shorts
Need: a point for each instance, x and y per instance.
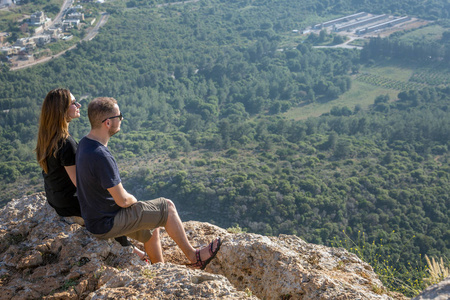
(139, 220)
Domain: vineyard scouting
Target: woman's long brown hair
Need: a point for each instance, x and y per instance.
(53, 125)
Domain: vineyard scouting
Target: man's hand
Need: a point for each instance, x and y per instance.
(121, 196)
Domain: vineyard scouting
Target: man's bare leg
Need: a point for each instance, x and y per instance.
(175, 230)
(153, 248)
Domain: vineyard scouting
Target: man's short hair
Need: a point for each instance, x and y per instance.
(99, 109)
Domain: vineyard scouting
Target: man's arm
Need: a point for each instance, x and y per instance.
(121, 196)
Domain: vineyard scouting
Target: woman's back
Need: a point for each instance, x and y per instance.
(55, 151)
(61, 192)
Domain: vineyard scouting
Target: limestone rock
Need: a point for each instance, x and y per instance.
(439, 291)
(48, 257)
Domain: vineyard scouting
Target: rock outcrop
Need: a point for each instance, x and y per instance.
(439, 291)
(42, 256)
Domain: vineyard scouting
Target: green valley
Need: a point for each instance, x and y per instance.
(241, 123)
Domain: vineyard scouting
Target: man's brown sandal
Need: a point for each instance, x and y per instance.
(200, 264)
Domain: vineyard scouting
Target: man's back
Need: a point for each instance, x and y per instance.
(96, 172)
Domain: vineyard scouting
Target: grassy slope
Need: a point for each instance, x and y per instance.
(361, 93)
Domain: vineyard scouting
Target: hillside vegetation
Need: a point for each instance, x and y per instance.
(205, 89)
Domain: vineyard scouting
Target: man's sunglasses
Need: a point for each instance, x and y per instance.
(119, 116)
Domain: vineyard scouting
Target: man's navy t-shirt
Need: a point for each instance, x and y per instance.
(97, 171)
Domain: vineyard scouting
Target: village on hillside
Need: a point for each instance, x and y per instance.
(40, 31)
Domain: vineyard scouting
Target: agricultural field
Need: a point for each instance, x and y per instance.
(435, 76)
(401, 76)
(391, 70)
(382, 79)
(361, 93)
(426, 33)
(389, 83)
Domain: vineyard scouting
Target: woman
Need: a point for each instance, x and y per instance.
(55, 151)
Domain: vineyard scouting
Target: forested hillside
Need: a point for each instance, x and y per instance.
(204, 87)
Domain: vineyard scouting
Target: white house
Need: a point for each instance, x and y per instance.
(37, 18)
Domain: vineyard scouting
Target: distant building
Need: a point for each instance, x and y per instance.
(38, 18)
(361, 23)
(23, 55)
(76, 16)
(67, 38)
(73, 9)
(27, 43)
(8, 51)
(383, 25)
(69, 24)
(5, 51)
(340, 20)
(41, 40)
(54, 33)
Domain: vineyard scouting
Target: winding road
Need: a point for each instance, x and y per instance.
(90, 34)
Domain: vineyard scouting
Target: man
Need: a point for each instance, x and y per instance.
(109, 210)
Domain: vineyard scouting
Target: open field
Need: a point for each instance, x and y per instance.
(385, 82)
(427, 33)
(432, 75)
(390, 70)
(406, 75)
(386, 78)
(361, 93)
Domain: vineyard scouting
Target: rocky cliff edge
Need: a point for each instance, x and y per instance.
(42, 256)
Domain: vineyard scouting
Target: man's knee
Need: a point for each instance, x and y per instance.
(171, 209)
(170, 205)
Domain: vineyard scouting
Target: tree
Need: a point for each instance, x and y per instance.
(338, 39)
(323, 36)
(342, 149)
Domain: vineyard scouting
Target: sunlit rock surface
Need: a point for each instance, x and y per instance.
(439, 291)
(43, 256)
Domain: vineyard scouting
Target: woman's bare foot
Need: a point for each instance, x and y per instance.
(139, 252)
